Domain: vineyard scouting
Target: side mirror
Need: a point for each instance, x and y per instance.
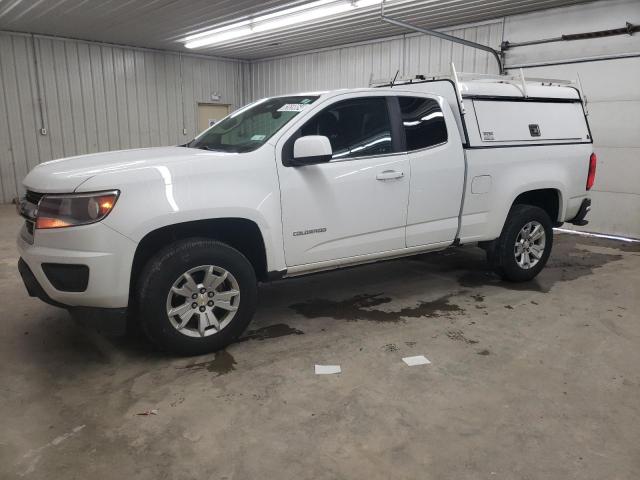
(311, 150)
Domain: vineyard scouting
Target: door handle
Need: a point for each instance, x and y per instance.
(389, 175)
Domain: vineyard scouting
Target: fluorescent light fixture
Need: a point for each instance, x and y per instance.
(272, 21)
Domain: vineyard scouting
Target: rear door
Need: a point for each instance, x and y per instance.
(436, 160)
(356, 204)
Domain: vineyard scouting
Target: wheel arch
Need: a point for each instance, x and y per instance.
(240, 233)
(548, 199)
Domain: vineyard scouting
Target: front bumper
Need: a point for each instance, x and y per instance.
(34, 289)
(107, 254)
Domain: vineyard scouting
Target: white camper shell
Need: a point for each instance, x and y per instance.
(504, 111)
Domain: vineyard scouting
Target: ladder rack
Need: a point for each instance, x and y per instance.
(469, 76)
(518, 80)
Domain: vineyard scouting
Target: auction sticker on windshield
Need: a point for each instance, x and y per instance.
(291, 107)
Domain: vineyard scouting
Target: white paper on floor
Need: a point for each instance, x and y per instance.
(417, 360)
(327, 369)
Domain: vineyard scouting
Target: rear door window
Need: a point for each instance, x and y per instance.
(423, 122)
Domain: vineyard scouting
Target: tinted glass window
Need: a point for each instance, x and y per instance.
(355, 128)
(423, 122)
(250, 127)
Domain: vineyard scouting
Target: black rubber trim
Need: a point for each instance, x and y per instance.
(67, 277)
(496, 98)
(482, 147)
(276, 275)
(584, 112)
(585, 207)
(34, 289)
(398, 139)
(304, 161)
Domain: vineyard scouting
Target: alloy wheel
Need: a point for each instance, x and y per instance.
(203, 300)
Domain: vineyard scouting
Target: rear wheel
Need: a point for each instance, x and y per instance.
(524, 246)
(196, 296)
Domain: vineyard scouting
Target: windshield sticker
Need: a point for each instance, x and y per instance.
(257, 138)
(291, 107)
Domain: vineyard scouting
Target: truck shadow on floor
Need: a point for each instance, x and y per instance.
(454, 272)
(572, 257)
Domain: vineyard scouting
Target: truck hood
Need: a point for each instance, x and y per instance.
(67, 174)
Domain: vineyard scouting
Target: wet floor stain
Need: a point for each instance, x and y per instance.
(478, 297)
(459, 336)
(270, 331)
(570, 259)
(484, 352)
(222, 364)
(362, 307)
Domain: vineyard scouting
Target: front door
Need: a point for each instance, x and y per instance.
(209, 114)
(356, 204)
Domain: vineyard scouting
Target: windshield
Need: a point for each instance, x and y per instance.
(250, 127)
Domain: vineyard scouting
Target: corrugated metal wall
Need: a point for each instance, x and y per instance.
(612, 87)
(353, 66)
(98, 97)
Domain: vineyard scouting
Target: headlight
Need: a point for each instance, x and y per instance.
(58, 211)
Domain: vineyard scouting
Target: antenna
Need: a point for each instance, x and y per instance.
(583, 95)
(394, 79)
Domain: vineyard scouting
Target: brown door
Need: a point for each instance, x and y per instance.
(209, 114)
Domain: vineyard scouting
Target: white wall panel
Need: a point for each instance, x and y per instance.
(611, 87)
(552, 23)
(98, 97)
(354, 65)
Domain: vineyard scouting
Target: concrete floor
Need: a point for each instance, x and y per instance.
(535, 381)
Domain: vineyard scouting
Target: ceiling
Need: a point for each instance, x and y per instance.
(162, 24)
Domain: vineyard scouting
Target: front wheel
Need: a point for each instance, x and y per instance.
(196, 296)
(524, 246)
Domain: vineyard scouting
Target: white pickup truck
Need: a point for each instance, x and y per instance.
(301, 183)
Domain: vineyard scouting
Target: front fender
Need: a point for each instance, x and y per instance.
(153, 197)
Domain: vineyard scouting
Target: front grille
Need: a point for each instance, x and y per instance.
(33, 197)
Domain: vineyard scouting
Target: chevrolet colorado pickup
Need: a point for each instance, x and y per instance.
(289, 185)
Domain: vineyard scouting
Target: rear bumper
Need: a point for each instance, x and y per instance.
(585, 208)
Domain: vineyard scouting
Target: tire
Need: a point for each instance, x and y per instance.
(503, 252)
(188, 266)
